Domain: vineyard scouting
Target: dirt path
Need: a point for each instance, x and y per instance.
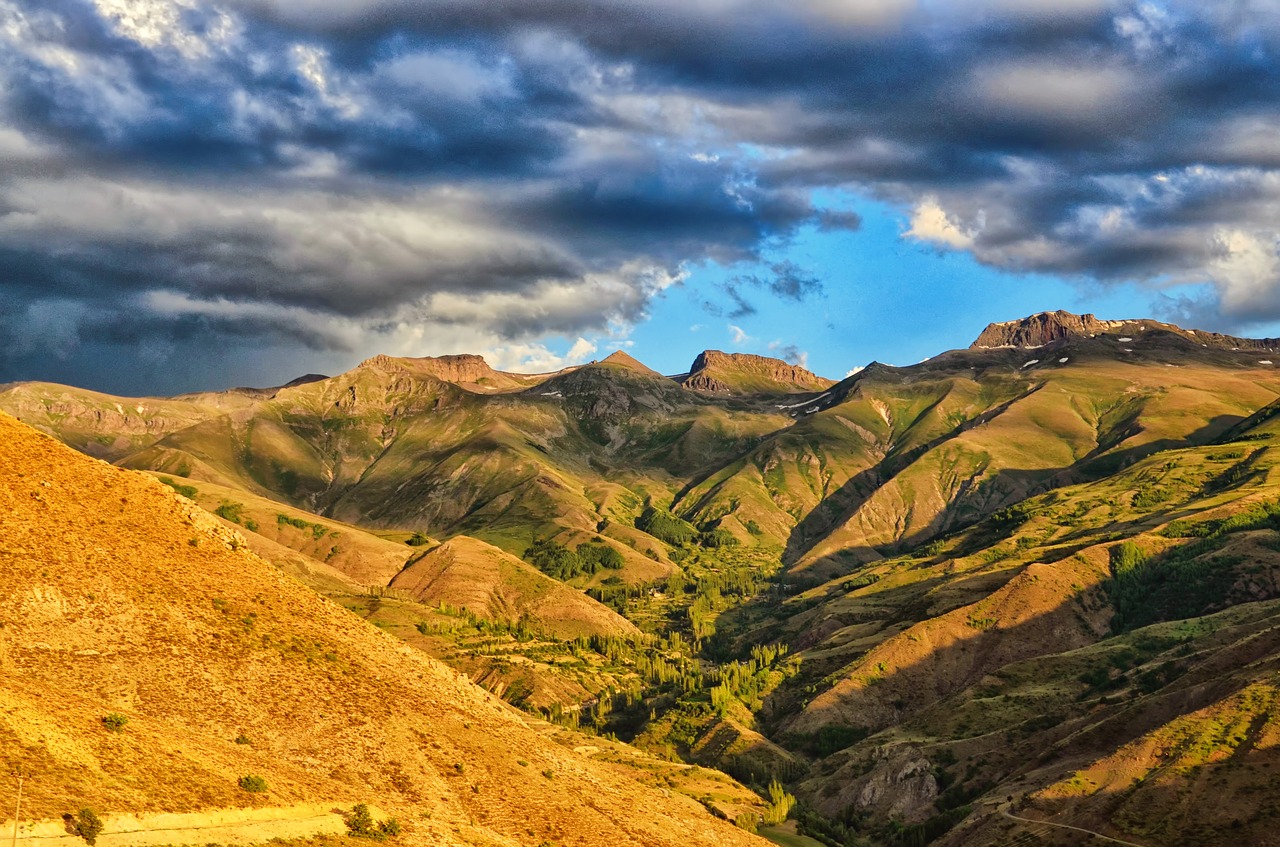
(1012, 816)
(222, 826)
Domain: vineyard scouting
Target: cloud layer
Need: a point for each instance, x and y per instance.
(348, 177)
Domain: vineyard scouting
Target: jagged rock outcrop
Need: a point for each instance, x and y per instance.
(1044, 328)
(743, 373)
(1050, 327)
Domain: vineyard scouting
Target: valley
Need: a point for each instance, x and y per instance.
(1014, 594)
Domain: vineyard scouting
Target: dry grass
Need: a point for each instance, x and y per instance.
(118, 597)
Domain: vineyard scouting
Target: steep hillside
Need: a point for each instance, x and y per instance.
(1102, 653)
(123, 599)
(894, 457)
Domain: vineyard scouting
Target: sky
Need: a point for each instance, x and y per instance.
(195, 195)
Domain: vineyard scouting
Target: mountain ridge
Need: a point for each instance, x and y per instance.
(717, 372)
(1046, 328)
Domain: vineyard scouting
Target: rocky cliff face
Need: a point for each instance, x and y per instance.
(1044, 328)
(1050, 327)
(743, 373)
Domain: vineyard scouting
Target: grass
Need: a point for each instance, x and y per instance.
(786, 836)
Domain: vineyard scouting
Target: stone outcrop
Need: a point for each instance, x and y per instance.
(717, 372)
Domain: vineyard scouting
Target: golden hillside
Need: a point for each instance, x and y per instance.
(492, 584)
(121, 598)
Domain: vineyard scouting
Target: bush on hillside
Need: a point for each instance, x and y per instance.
(87, 825)
(253, 784)
(188, 491)
(114, 722)
(360, 824)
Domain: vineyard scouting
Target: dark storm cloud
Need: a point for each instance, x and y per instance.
(339, 175)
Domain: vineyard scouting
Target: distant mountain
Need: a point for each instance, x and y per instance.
(465, 371)
(1047, 328)
(624, 360)
(742, 373)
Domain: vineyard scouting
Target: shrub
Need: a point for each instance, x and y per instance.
(188, 491)
(114, 722)
(253, 784)
(360, 824)
(243, 739)
(418, 540)
(87, 825)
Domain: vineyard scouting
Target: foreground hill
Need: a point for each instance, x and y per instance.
(122, 598)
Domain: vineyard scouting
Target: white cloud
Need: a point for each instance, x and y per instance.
(929, 222)
(1148, 27)
(312, 64)
(853, 371)
(1247, 272)
(738, 334)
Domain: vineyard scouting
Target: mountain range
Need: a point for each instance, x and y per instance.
(1016, 588)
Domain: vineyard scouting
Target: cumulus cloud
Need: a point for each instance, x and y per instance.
(929, 222)
(313, 179)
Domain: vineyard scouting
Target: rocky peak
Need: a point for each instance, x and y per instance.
(1044, 328)
(743, 373)
(1050, 327)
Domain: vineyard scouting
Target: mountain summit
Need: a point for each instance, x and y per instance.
(1050, 327)
(743, 373)
(625, 360)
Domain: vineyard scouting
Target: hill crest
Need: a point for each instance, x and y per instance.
(718, 372)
